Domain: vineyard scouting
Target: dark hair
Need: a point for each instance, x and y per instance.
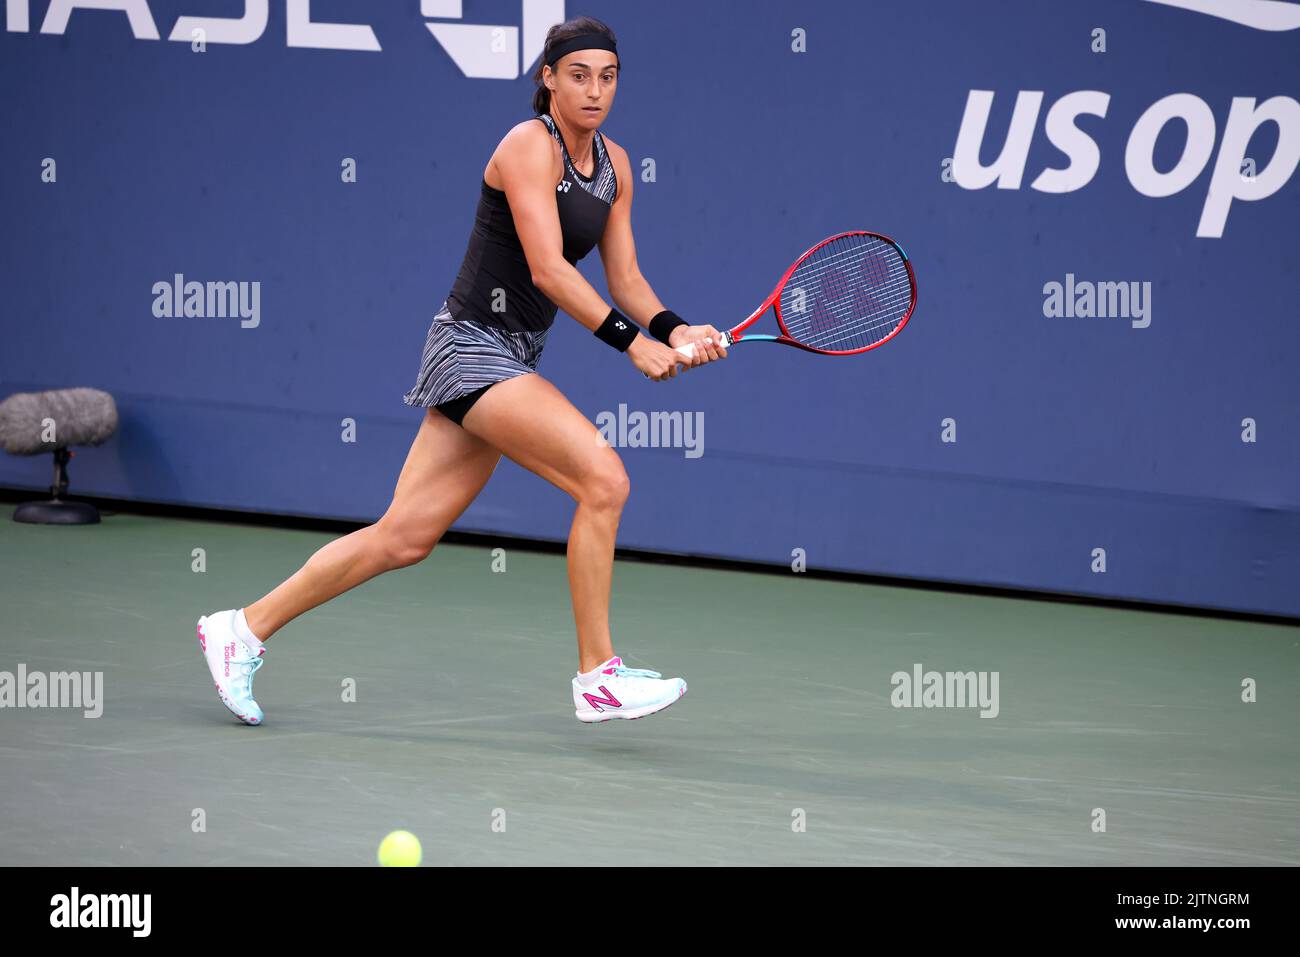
(554, 36)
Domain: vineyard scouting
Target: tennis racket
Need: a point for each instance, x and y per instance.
(848, 294)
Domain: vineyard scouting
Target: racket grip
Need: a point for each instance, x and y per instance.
(688, 350)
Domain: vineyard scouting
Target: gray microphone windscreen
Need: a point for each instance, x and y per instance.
(36, 422)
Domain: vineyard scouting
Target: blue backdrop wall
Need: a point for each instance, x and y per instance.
(990, 442)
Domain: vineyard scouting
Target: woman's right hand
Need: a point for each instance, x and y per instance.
(655, 360)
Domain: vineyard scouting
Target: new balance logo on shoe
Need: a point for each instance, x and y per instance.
(609, 701)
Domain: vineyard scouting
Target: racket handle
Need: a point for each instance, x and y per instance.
(688, 350)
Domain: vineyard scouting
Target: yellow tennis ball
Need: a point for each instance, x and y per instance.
(399, 849)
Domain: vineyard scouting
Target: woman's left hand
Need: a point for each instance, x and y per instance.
(708, 343)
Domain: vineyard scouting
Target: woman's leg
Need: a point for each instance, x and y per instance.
(533, 424)
(444, 471)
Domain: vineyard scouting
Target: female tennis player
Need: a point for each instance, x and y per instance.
(553, 189)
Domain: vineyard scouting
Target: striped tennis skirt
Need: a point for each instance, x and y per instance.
(463, 356)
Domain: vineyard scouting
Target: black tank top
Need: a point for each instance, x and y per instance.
(494, 285)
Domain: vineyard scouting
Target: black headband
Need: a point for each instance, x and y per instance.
(583, 41)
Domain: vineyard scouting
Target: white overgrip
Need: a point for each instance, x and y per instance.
(688, 350)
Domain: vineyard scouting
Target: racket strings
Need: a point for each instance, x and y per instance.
(847, 295)
(855, 302)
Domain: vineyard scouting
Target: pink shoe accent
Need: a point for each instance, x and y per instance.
(609, 700)
(613, 663)
(203, 641)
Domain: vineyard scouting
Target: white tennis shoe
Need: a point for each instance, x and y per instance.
(616, 691)
(232, 664)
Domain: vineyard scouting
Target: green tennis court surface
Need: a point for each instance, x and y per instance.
(463, 720)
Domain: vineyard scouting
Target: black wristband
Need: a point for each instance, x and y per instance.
(617, 330)
(662, 325)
